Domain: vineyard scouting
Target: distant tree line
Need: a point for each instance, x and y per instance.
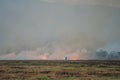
(104, 55)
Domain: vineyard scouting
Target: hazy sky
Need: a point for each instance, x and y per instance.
(31, 24)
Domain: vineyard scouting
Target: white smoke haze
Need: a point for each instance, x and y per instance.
(55, 29)
(41, 54)
(112, 3)
(60, 54)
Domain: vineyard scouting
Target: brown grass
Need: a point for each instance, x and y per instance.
(59, 70)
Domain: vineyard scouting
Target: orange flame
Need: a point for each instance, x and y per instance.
(74, 57)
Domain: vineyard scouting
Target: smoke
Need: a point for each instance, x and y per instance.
(102, 54)
(61, 53)
(55, 53)
(112, 3)
(34, 29)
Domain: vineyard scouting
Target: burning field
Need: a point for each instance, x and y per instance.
(60, 70)
(59, 39)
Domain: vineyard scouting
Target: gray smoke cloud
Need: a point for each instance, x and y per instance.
(112, 3)
(36, 29)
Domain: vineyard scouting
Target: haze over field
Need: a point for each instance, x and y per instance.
(55, 29)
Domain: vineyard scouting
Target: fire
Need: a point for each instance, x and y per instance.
(56, 54)
(74, 57)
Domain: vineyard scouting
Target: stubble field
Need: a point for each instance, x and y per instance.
(59, 70)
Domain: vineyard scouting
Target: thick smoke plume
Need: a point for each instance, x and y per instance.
(47, 53)
(55, 29)
(58, 53)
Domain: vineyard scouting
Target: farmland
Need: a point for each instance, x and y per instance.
(59, 70)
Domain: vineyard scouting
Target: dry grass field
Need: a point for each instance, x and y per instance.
(60, 70)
